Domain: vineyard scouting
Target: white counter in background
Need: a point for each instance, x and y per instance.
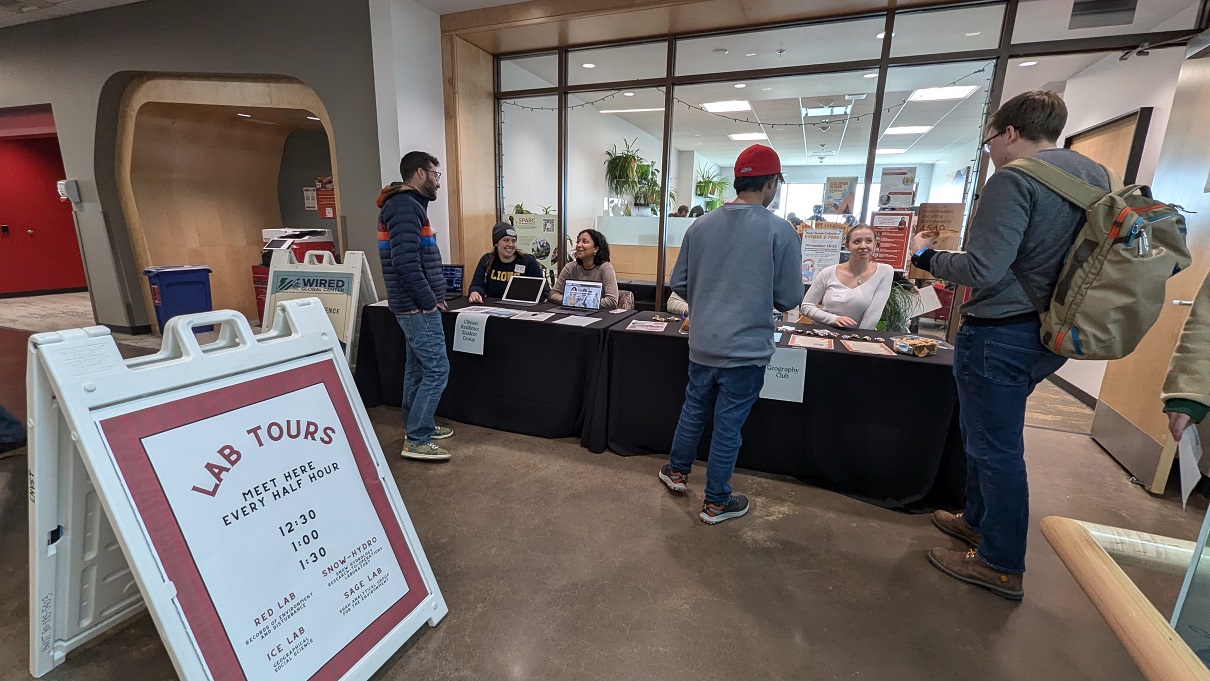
(641, 231)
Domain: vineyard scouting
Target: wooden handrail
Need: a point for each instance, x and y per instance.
(1157, 649)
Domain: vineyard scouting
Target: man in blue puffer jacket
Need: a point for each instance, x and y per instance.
(411, 266)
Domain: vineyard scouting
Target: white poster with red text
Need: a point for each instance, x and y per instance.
(266, 512)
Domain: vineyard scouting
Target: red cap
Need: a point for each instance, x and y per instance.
(757, 160)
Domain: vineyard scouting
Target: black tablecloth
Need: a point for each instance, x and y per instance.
(532, 377)
(881, 429)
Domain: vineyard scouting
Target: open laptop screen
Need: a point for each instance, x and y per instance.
(585, 295)
(524, 289)
(453, 280)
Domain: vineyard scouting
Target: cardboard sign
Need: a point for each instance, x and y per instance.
(469, 332)
(820, 249)
(945, 219)
(248, 493)
(786, 375)
(894, 230)
(897, 190)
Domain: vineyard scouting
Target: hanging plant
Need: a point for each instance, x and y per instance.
(648, 191)
(710, 183)
(622, 168)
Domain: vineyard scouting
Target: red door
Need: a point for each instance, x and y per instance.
(38, 246)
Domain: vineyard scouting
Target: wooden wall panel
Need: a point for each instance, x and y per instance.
(1132, 384)
(470, 148)
(638, 262)
(186, 186)
(205, 188)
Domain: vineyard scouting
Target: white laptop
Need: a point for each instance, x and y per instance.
(524, 290)
(581, 297)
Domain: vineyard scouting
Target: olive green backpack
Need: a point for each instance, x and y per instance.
(1112, 286)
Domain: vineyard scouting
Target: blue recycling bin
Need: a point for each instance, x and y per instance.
(178, 290)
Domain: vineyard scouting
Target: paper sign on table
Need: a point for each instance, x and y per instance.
(786, 375)
(1189, 455)
(811, 342)
(656, 327)
(928, 299)
(576, 321)
(534, 316)
(867, 348)
(469, 331)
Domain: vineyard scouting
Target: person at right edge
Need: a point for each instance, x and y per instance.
(998, 357)
(737, 263)
(1187, 389)
(411, 266)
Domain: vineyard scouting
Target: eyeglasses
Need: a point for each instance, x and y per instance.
(437, 173)
(987, 143)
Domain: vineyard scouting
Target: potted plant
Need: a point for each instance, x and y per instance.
(901, 306)
(710, 183)
(622, 168)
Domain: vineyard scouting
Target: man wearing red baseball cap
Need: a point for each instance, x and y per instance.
(736, 263)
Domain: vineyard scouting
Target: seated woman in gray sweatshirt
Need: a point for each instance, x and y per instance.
(851, 294)
(591, 264)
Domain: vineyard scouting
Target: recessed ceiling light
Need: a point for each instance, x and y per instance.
(870, 75)
(659, 108)
(627, 94)
(767, 89)
(882, 35)
(741, 85)
(313, 118)
(721, 50)
(935, 94)
(589, 66)
(726, 107)
(827, 110)
(884, 152)
(972, 34)
(1027, 63)
(244, 115)
(697, 134)
(908, 130)
(748, 136)
(749, 54)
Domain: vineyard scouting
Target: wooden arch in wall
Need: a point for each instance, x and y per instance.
(197, 182)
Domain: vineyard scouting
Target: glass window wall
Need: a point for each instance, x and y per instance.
(825, 43)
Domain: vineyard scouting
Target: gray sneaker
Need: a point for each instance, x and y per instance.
(441, 432)
(424, 452)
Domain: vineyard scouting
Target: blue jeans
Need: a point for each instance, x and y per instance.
(425, 374)
(730, 394)
(11, 429)
(996, 368)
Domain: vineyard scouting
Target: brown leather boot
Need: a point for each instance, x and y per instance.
(953, 525)
(968, 567)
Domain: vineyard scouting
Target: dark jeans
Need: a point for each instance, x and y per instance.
(11, 429)
(996, 368)
(729, 394)
(425, 374)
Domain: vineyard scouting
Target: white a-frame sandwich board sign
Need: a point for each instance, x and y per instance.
(342, 288)
(236, 488)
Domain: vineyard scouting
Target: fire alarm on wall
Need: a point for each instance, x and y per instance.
(70, 190)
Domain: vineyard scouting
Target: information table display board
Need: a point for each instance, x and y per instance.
(248, 492)
(532, 378)
(902, 450)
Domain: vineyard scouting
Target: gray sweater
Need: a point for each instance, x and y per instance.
(1018, 219)
(737, 263)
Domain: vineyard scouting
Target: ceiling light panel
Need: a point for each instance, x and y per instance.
(937, 94)
(748, 136)
(908, 130)
(727, 106)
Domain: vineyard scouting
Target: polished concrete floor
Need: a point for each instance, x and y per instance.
(560, 564)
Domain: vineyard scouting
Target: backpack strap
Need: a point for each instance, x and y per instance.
(1063, 183)
(1029, 291)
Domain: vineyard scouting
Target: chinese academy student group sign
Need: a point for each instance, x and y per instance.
(267, 513)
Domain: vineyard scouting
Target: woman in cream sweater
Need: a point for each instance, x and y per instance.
(851, 294)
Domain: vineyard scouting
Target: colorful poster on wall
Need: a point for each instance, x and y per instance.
(325, 197)
(898, 188)
(820, 249)
(945, 219)
(310, 200)
(839, 195)
(894, 229)
(537, 235)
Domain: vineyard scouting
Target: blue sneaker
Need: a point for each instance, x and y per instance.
(714, 514)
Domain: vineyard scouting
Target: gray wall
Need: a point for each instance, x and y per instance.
(304, 158)
(81, 64)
